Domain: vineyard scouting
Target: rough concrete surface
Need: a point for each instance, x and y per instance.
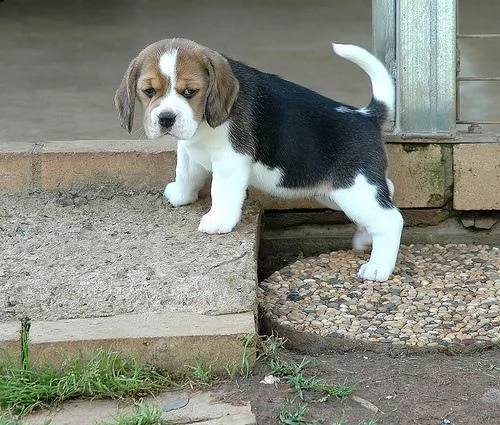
(92, 255)
(202, 408)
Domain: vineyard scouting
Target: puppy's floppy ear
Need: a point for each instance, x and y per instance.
(125, 96)
(223, 88)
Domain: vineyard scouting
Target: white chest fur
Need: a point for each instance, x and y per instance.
(212, 146)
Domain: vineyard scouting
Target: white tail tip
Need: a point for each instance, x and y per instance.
(382, 84)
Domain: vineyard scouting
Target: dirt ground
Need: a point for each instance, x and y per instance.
(431, 389)
(426, 389)
(422, 389)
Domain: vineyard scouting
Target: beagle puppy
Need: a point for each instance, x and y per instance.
(250, 128)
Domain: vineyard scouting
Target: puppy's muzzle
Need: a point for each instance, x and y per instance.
(166, 119)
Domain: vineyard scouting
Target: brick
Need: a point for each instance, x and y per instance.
(420, 173)
(16, 166)
(136, 165)
(476, 169)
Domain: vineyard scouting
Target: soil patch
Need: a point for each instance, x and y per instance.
(430, 389)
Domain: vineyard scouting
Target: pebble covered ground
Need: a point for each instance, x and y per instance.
(438, 296)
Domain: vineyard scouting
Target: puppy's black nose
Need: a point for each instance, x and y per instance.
(166, 119)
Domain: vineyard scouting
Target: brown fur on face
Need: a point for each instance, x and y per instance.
(197, 67)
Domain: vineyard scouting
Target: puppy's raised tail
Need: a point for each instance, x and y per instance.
(382, 103)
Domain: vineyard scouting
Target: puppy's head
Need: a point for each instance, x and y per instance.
(179, 84)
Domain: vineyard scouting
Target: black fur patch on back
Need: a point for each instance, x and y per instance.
(284, 125)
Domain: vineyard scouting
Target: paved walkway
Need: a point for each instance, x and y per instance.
(200, 408)
(63, 61)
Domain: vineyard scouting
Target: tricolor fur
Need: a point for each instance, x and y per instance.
(250, 128)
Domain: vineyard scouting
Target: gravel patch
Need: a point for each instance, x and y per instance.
(439, 296)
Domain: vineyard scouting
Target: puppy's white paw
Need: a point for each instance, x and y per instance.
(217, 222)
(374, 271)
(177, 197)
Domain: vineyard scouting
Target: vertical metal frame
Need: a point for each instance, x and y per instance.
(417, 40)
(384, 34)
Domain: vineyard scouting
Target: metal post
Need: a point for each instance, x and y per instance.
(426, 67)
(384, 33)
(417, 42)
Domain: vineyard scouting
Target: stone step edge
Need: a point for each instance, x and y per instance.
(130, 165)
(56, 166)
(169, 340)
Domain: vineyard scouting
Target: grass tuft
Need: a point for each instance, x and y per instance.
(295, 374)
(297, 416)
(25, 337)
(201, 373)
(106, 374)
(143, 414)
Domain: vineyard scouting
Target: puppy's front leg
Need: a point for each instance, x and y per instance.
(229, 184)
(189, 179)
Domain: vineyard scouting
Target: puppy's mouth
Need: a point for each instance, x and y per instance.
(177, 133)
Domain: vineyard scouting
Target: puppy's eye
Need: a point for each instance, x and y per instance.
(189, 93)
(150, 92)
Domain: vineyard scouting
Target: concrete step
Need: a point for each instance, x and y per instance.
(128, 272)
(423, 172)
(168, 340)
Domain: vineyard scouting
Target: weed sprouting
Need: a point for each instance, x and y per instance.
(201, 372)
(143, 414)
(295, 417)
(294, 373)
(25, 346)
(106, 374)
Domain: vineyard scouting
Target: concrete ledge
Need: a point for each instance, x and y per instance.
(16, 163)
(421, 173)
(134, 164)
(203, 408)
(169, 341)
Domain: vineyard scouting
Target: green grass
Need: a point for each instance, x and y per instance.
(295, 374)
(106, 374)
(6, 419)
(201, 373)
(25, 347)
(143, 414)
(296, 416)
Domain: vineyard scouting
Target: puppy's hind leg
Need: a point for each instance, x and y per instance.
(382, 223)
(362, 240)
